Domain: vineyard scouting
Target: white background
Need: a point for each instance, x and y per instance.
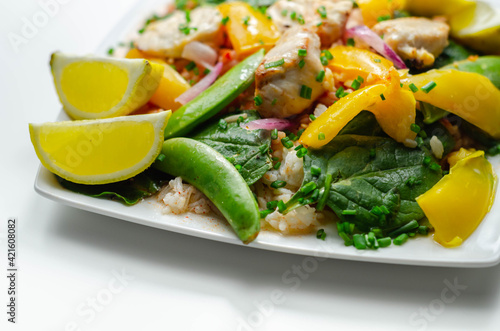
(68, 258)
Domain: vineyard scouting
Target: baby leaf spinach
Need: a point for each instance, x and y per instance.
(246, 148)
(369, 174)
(128, 191)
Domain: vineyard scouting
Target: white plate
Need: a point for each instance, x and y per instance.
(480, 250)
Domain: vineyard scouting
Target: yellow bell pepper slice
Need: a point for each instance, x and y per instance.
(469, 95)
(350, 62)
(172, 84)
(375, 10)
(324, 128)
(457, 204)
(454, 157)
(248, 29)
(442, 7)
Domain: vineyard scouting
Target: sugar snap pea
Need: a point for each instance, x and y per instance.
(212, 100)
(210, 172)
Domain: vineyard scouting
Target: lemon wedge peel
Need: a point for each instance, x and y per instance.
(92, 87)
(100, 151)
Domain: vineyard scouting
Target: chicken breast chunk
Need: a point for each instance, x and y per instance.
(419, 40)
(326, 17)
(168, 37)
(284, 72)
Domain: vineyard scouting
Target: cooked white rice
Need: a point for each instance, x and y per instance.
(180, 198)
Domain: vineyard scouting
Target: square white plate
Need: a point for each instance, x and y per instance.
(482, 249)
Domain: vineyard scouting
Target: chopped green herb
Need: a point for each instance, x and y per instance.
(273, 64)
(308, 188)
(401, 239)
(322, 11)
(264, 213)
(340, 92)
(324, 60)
(225, 20)
(383, 18)
(301, 20)
(278, 184)
(419, 141)
(349, 212)
(302, 52)
(428, 87)
(422, 229)
(328, 55)
(382, 96)
(111, 51)
(277, 165)
(286, 142)
(321, 136)
(423, 134)
(274, 101)
(161, 157)
(427, 160)
(264, 148)
(434, 166)
(272, 204)
(196, 71)
(377, 60)
(359, 241)
(415, 128)
(305, 92)
(246, 19)
(298, 147)
(413, 87)
(293, 15)
(355, 84)
(258, 100)
(188, 16)
(238, 167)
(320, 76)
(315, 171)
(274, 134)
(350, 42)
(321, 234)
(281, 206)
(284, 12)
(190, 66)
(384, 242)
(141, 31)
(206, 71)
(302, 63)
(372, 153)
(319, 24)
(222, 124)
(302, 152)
(312, 117)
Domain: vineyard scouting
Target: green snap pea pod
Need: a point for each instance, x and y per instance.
(488, 66)
(215, 98)
(210, 172)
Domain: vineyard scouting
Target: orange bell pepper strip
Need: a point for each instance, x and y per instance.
(248, 29)
(457, 204)
(172, 84)
(323, 129)
(469, 95)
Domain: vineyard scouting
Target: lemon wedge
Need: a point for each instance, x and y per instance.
(92, 87)
(100, 151)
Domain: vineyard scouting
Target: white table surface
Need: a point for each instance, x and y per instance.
(69, 259)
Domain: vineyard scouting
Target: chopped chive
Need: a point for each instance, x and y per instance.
(360, 79)
(272, 204)
(350, 42)
(293, 15)
(410, 181)
(246, 19)
(423, 134)
(319, 24)
(141, 31)
(300, 132)
(238, 167)
(196, 71)
(300, 19)
(404, 229)
(161, 157)
(321, 136)
(347, 240)
(258, 100)
(415, 128)
(434, 166)
(111, 51)
(284, 12)
(320, 76)
(373, 153)
(206, 71)
(321, 234)
(377, 60)
(359, 241)
(312, 117)
(308, 188)
(298, 147)
(277, 165)
(326, 192)
(324, 60)
(222, 124)
(292, 136)
(355, 84)
(286, 142)
(315, 195)
(419, 141)
(400, 240)
(427, 160)
(322, 11)
(315, 171)
(188, 16)
(263, 148)
(231, 159)
(302, 63)
(278, 63)
(384, 242)
(225, 20)
(340, 93)
(302, 152)
(305, 92)
(274, 134)
(424, 230)
(428, 87)
(385, 210)
(302, 52)
(349, 212)
(413, 87)
(281, 206)
(274, 101)
(377, 232)
(327, 54)
(278, 184)
(190, 66)
(383, 18)
(382, 97)
(264, 213)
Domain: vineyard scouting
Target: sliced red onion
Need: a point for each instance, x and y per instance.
(201, 86)
(201, 54)
(363, 33)
(267, 124)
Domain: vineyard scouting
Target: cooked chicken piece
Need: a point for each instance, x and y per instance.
(168, 37)
(417, 39)
(280, 84)
(330, 15)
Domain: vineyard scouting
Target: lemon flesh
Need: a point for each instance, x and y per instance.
(91, 87)
(100, 151)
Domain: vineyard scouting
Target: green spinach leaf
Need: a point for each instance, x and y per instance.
(248, 149)
(129, 191)
(368, 172)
